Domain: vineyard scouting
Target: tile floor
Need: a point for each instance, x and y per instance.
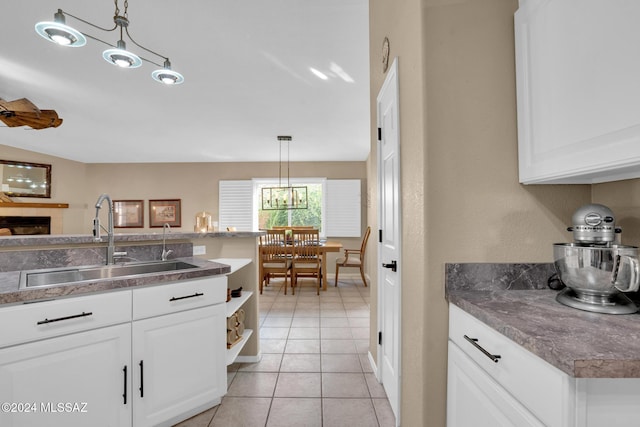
(314, 369)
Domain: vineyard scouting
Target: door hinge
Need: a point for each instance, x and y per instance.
(379, 134)
(380, 338)
(380, 236)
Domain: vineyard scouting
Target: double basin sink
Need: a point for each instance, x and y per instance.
(66, 275)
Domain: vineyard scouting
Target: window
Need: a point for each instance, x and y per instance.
(334, 206)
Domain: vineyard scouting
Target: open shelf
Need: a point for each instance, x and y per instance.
(235, 263)
(233, 352)
(236, 303)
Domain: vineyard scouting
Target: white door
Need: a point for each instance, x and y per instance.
(81, 379)
(179, 365)
(389, 262)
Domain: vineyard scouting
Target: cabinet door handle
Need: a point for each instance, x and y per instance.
(197, 294)
(141, 378)
(83, 314)
(494, 357)
(124, 395)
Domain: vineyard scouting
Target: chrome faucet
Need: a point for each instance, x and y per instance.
(97, 226)
(165, 252)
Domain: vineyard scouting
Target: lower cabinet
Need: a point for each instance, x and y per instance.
(151, 357)
(179, 365)
(493, 381)
(475, 399)
(82, 379)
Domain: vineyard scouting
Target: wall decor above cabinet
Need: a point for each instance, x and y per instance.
(578, 91)
(23, 179)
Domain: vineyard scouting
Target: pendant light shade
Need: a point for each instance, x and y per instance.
(60, 33)
(121, 57)
(167, 76)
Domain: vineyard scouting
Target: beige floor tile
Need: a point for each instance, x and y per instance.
(277, 322)
(268, 363)
(348, 413)
(298, 384)
(274, 333)
(333, 313)
(306, 322)
(337, 346)
(302, 346)
(201, 420)
(384, 413)
(230, 377)
(376, 390)
(362, 346)
(366, 364)
(331, 305)
(300, 363)
(359, 322)
(306, 313)
(241, 412)
(340, 363)
(336, 333)
(288, 412)
(357, 313)
(272, 346)
(344, 385)
(360, 333)
(332, 322)
(304, 333)
(280, 312)
(253, 384)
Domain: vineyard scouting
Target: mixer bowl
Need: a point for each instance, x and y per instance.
(590, 270)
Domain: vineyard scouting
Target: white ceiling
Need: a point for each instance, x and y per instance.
(247, 74)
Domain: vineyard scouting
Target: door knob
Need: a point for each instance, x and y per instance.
(393, 265)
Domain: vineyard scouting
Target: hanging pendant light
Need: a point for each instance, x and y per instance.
(60, 33)
(284, 197)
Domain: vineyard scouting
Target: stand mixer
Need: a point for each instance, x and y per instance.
(595, 269)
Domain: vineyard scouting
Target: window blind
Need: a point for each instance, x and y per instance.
(235, 204)
(343, 208)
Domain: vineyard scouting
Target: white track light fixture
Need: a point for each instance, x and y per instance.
(60, 33)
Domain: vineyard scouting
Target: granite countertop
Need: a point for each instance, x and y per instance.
(10, 292)
(581, 343)
(66, 239)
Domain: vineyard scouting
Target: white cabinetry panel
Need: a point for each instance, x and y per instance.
(578, 91)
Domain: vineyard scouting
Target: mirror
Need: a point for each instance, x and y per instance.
(23, 179)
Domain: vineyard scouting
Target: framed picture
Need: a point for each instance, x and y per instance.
(163, 212)
(128, 213)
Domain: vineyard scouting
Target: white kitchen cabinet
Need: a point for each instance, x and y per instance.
(151, 356)
(82, 379)
(179, 365)
(578, 97)
(521, 389)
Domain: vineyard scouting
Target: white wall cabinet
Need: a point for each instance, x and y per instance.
(578, 96)
(521, 389)
(153, 356)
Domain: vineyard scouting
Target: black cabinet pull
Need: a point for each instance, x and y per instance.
(197, 294)
(494, 357)
(141, 378)
(124, 395)
(83, 314)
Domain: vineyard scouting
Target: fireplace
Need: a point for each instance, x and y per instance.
(26, 225)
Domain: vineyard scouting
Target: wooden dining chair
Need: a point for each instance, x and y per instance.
(273, 257)
(354, 258)
(306, 259)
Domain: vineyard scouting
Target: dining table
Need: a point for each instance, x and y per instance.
(324, 248)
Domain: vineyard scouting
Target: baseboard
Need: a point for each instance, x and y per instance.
(373, 364)
(249, 359)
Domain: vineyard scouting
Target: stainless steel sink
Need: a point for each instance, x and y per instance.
(59, 276)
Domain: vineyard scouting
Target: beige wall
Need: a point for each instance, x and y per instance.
(461, 198)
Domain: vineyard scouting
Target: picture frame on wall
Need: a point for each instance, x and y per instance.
(163, 212)
(128, 213)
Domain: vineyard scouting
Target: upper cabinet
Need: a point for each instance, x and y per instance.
(578, 88)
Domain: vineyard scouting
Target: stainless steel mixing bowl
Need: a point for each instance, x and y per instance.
(598, 271)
